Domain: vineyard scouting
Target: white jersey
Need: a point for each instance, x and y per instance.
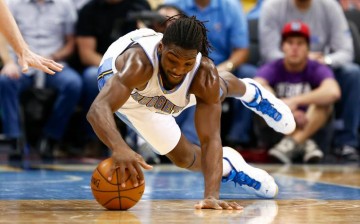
(154, 97)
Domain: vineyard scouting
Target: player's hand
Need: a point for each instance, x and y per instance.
(212, 203)
(131, 161)
(29, 58)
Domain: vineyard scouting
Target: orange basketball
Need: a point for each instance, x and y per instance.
(110, 194)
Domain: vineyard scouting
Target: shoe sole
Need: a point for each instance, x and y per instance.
(314, 157)
(281, 107)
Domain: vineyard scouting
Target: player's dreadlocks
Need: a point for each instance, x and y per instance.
(188, 33)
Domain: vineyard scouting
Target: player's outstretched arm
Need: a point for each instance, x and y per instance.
(207, 121)
(26, 57)
(113, 95)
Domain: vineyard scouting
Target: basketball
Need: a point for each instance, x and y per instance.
(110, 194)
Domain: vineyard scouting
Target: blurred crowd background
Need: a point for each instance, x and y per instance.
(43, 116)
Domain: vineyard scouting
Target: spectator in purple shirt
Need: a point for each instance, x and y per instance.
(307, 87)
(331, 43)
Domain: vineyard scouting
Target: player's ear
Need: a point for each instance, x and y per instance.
(160, 47)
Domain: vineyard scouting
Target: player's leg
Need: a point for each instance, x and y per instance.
(164, 135)
(253, 180)
(275, 112)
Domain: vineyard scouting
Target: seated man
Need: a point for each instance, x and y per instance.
(306, 86)
(51, 38)
(331, 45)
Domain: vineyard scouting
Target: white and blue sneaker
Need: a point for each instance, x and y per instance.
(252, 180)
(274, 111)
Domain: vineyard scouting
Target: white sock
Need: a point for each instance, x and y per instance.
(226, 168)
(250, 92)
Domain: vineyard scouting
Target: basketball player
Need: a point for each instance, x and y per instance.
(146, 77)
(26, 57)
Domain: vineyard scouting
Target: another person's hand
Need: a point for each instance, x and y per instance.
(291, 103)
(225, 66)
(221, 68)
(314, 55)
(11, 70)
(29, 58)
(212, 203)
(130, 160)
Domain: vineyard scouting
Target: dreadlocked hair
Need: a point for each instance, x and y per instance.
(188, 33)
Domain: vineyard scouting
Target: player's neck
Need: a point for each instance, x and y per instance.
(202, 3)
(165, 84)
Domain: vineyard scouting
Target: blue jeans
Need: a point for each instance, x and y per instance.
(90, 91)
(68, 85)
(242, 117)
(347, 110)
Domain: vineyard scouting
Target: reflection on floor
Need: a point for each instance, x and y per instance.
(308, 194)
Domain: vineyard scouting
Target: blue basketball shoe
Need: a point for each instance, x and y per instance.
(274, 111)
(252, 180)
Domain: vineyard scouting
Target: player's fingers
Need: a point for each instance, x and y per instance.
(208, 204)
(145, 165)
(140, 174)
(225, 205)
(142, 162)
(199, 205)
(133, 175)
(110, 172)
(235, 205)
(122, 176)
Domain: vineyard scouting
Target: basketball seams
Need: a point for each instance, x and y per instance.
(119, 200)
(97, 169)
(111, 195)
(120, 189)
(117, 180)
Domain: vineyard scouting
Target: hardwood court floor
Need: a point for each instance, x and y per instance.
(61, 194)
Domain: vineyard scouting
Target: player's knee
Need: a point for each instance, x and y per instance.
(183, 162)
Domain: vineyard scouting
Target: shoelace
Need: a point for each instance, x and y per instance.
(264, 106)
(242, 178)
(267, 108)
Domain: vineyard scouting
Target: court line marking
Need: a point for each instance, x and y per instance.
(68, 178)
(317, 181)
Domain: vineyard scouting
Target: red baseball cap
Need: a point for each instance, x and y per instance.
(296, 28)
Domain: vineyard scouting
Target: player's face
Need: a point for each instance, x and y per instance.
(295, 50)
(175, 63)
